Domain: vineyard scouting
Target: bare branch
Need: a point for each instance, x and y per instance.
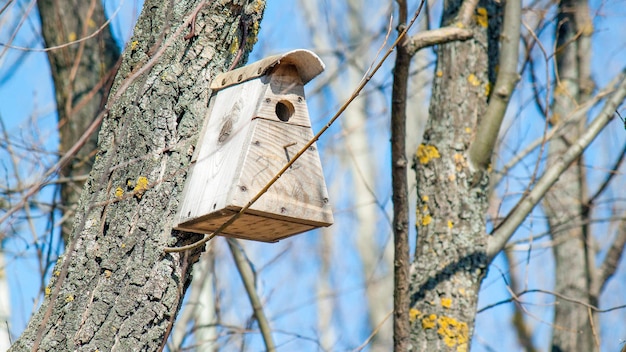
(249, 281)
(612, 259)
(487, 132)
(523, 331)
(436, 36)
(610, 175)
(505, 230)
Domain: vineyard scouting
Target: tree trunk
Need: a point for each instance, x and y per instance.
(564, 202)
(450, 259)
(82, 74)
(115, 289)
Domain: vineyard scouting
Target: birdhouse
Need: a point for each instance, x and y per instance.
(257, 121)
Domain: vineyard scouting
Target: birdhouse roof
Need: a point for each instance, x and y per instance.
(307, 63)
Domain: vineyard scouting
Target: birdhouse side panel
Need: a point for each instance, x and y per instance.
(221, 150)
(300, 194)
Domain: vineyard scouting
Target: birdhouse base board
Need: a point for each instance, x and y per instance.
(249, 226)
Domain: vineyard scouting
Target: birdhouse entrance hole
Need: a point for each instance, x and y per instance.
(284, 110)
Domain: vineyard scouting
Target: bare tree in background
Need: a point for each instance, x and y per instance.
(82, 75)
(566, 200)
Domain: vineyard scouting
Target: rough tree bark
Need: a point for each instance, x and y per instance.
(564, 203)
(115, 289)
(82, 74)
(452, 198)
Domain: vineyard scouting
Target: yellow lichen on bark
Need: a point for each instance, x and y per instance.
(429, 322)
(413, 314)
(459, 161)
(427, 152)
(446, 302)
(234, 46)
(141, 186)
(450, 224)
(481, 17)
(427, 219)
(119, 192)
(473, 80)
(453, 332)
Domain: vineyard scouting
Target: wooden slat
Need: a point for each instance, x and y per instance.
(248, 226)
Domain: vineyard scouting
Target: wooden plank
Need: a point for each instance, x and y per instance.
(249, 226)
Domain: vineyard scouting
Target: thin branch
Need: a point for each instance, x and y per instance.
(487, 132)
(436, 36)
(505, 230)
(609, 176)
(612, 259)
(19, 25)
(369, 338)
(249, 282)
(523, 331)
(555, 294)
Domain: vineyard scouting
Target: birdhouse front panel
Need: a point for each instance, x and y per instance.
(254, 129)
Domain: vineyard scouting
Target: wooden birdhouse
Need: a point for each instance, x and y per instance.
(258, 120)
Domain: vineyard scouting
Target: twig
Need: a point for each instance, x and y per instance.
(609, 176)
(437, 36)
(555, 294)
(611, 261)
(247, 275)
(19, 25)
(374, 332)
